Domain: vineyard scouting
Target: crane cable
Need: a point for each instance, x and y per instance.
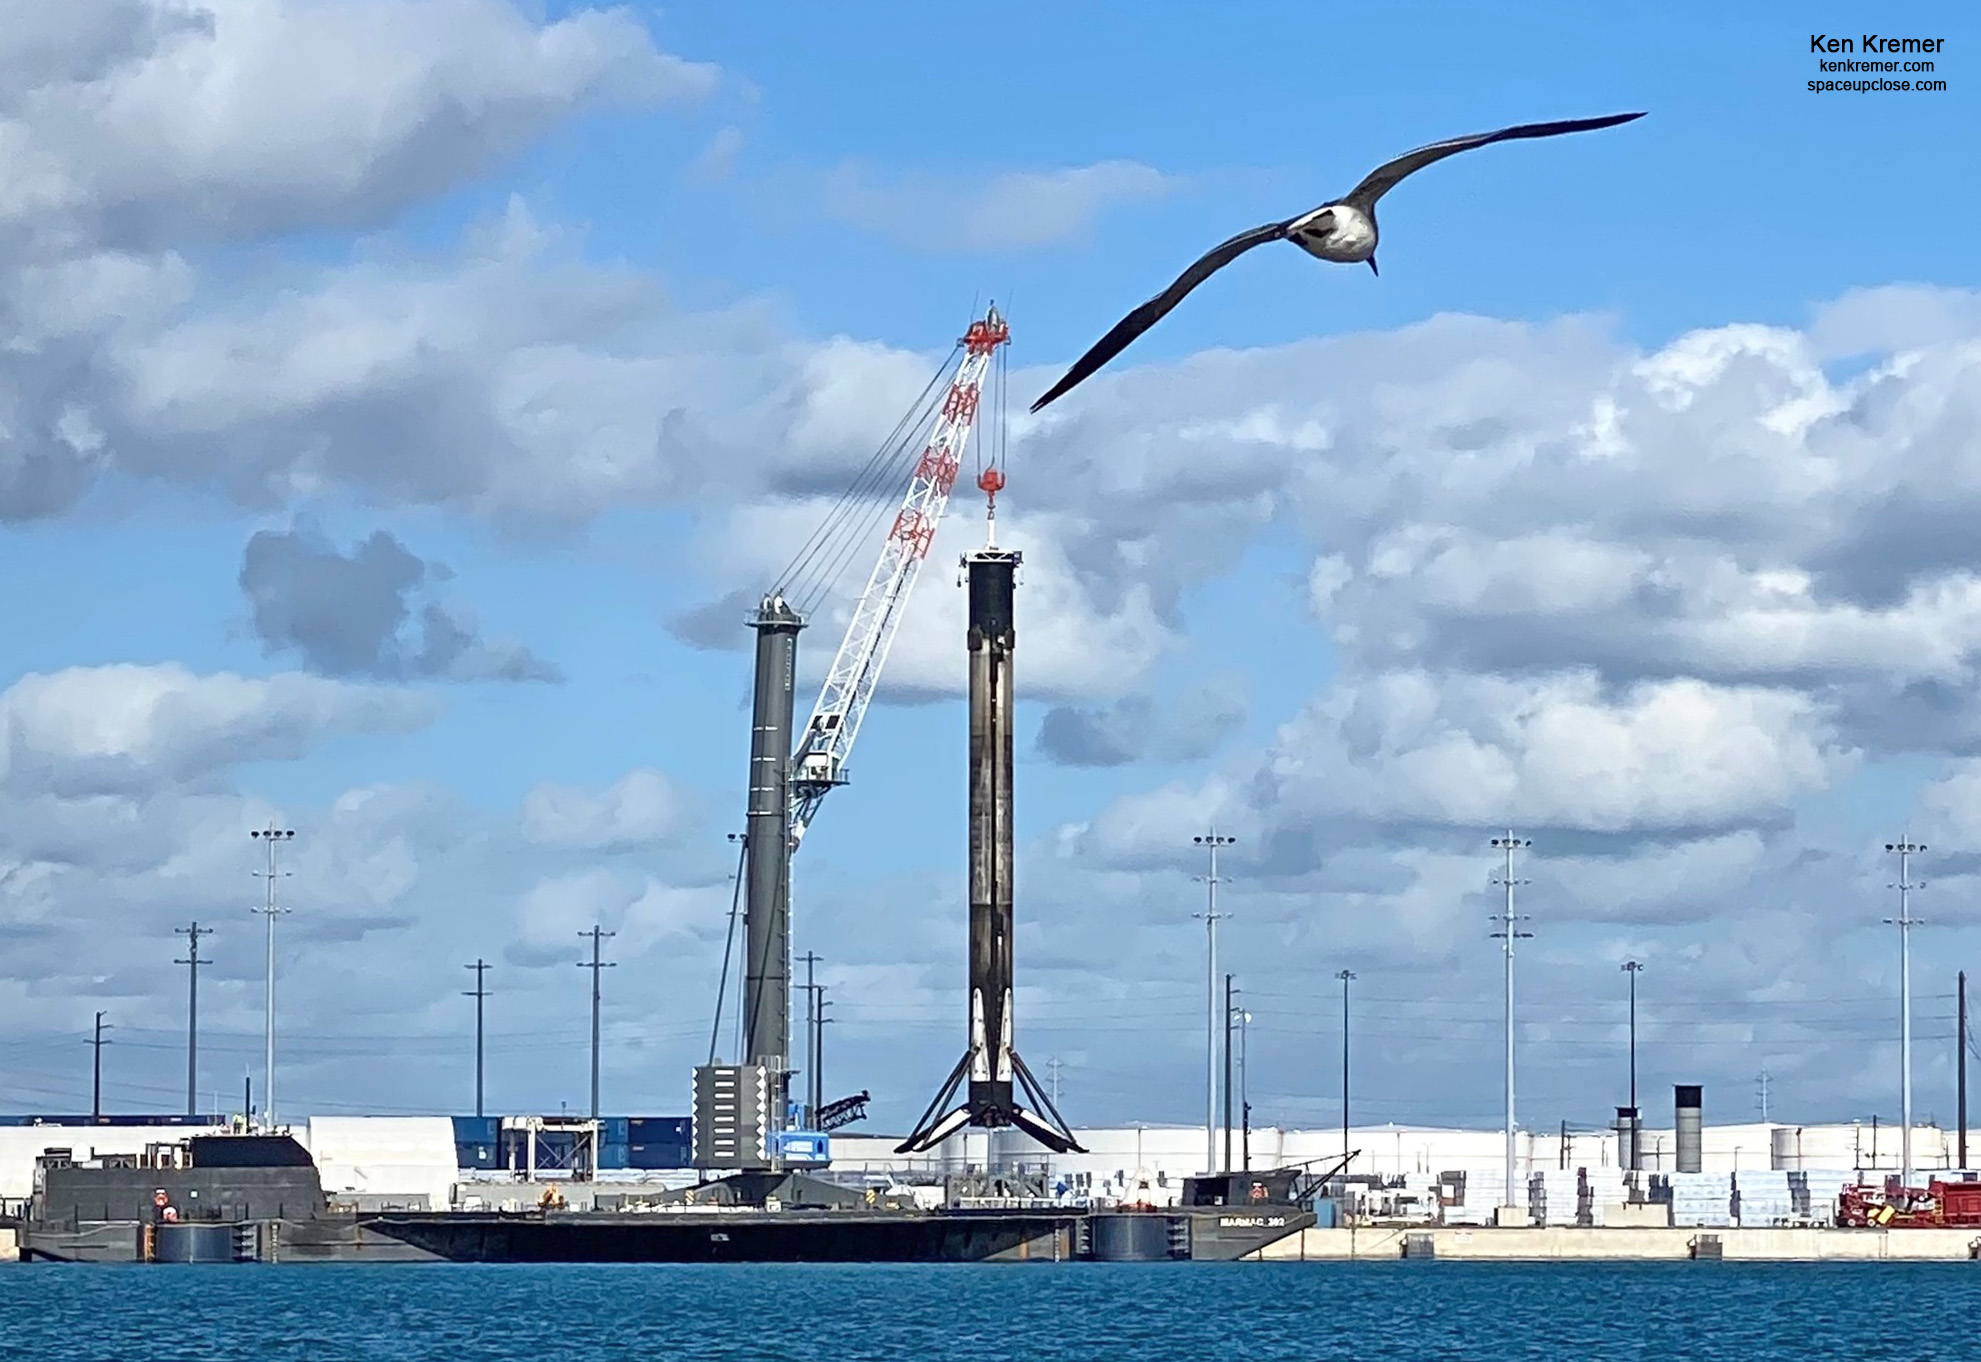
(868, 499)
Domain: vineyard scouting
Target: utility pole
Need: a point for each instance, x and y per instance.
(1245, 1084)
(814, 1094)
(96, 1061)
(1053, 1066)
(270, 837)
(1227, 1073)
(1509, 934)
(1211, 842)
(192, 962)
(1960, 1065)
(1761, 1082)
(1905, 922)
(478, 993)
(818, 1041)
(1344, 976)
(595, 964)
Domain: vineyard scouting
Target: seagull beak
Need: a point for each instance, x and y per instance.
(1372, 268)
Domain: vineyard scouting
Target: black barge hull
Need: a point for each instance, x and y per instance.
(753, 1236)
(739, 1237)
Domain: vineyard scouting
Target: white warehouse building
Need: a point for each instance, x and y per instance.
(415, 1157)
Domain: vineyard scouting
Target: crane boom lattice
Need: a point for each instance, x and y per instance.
(820, 761)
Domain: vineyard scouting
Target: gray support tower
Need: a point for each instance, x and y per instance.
(767, 882)
(991, 1065)
(1688, 1123)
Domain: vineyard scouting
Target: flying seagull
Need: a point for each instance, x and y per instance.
(1342, 230)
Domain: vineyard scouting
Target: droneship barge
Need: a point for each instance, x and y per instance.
(258, 1198)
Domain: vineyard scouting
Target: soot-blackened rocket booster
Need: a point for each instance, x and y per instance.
(997, 1077)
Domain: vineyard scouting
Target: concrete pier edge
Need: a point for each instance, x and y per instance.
(1564, 1243)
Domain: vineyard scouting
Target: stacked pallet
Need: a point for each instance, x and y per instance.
(1763, 1199)
(1602, 1187)
(1815, 1192)
(1480, 1192)
(1702, 1199)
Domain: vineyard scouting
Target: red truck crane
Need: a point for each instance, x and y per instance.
(1938, 1205)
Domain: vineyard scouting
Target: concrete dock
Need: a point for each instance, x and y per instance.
(1384, 1243)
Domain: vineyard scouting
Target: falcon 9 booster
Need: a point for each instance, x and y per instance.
(994, 1072)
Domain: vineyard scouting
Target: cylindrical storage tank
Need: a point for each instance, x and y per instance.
(183, 1241)
(1785, 1149)
(1628, 1124)
(1687, 1122)
(1130, 1238)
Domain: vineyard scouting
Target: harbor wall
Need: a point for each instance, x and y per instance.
(1385, 1243)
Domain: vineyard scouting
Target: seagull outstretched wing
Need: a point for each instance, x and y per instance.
(1385, 177)
(1153, 311)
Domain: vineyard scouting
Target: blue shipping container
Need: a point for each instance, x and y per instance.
(658, 1157)
(478, 1156)
(659, 1129)
(476, 1129)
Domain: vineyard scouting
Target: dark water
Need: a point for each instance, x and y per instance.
(1244, 1312)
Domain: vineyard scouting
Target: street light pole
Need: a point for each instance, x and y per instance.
(1633, 969)
(271, 837)
(1629, 1160)
(1509, 934)
(1905, 922)
(1211, 842)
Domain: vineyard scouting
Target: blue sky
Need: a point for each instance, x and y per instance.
(459, 298)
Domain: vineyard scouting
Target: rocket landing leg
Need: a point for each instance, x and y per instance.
(1045, 1125)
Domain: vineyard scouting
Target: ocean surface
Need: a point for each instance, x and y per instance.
(1039, 1312)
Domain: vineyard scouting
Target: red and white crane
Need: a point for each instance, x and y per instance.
(819, 762)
